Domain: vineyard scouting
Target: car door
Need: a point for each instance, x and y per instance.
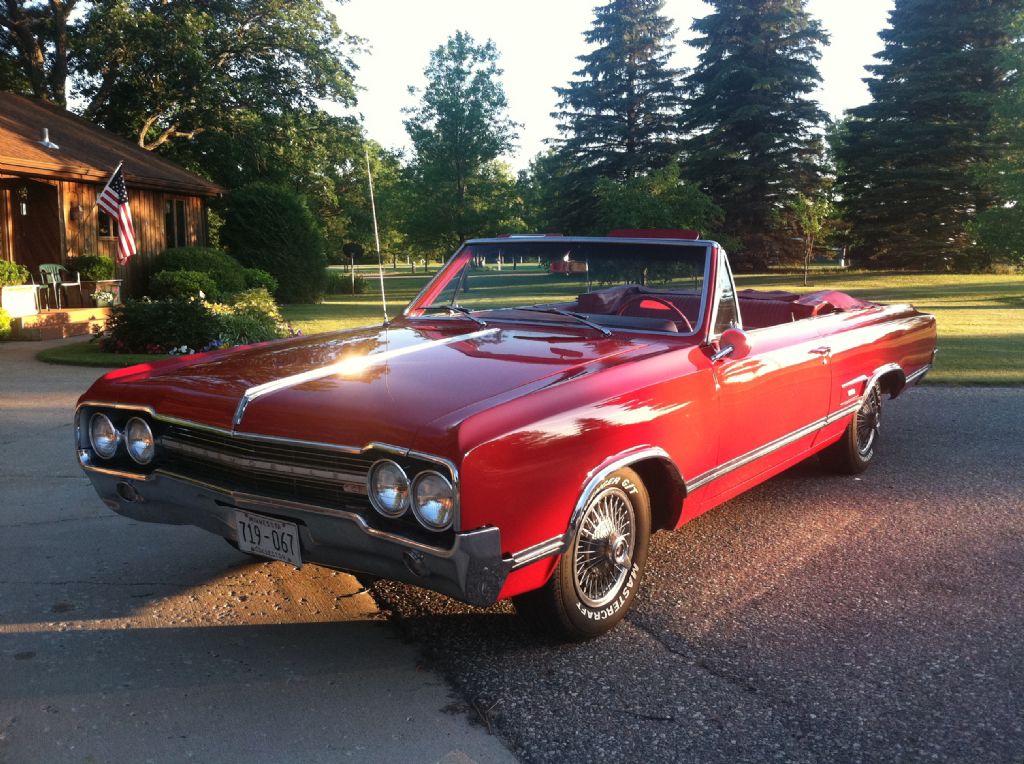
(772, 401)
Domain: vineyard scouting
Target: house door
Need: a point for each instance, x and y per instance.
(35, 223)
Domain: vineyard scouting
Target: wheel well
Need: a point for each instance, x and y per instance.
(666, 491)
(892, 382)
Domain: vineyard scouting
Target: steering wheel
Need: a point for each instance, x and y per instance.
(642, 298)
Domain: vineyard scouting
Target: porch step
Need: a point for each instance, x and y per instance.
(65, 316)
(59, 324)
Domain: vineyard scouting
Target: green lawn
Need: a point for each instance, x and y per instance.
(981, 318)
(88, 353)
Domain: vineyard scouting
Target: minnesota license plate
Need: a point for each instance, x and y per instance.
(265, 536)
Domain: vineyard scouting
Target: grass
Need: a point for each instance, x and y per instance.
(981, 318)
(88, 353)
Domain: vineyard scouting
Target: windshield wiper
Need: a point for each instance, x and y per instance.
(560, 312)
(457, 310)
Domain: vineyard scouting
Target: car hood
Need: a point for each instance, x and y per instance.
(368, 385)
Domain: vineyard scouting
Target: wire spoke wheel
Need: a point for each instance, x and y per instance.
(603, 551)
(869, 420)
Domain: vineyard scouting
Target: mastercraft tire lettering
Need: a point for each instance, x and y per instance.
(596, 580)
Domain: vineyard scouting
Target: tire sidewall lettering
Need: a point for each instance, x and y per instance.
(625, 484)
(615, 605)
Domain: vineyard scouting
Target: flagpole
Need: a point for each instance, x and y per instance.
(376, 237)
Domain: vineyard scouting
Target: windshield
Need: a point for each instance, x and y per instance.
(609, 284)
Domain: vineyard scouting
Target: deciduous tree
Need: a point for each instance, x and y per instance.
(159, 70)
(459, 130)
(34, 47)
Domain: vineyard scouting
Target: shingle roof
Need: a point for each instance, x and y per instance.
(87, 152)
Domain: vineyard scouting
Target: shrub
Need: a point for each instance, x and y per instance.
(252, 316)
(182, 285)
(12, 274)
(271, 228)
(246, 328)
(226, 272)
(92, 267)
(5, 323)
(340, 282)
(258, 302)
(257, 278)
(156, 326)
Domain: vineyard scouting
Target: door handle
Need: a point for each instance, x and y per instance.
(824, 350)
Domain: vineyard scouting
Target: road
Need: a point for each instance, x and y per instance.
(131, 642)
(816, 618)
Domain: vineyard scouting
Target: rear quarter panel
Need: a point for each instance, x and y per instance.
(867, 341)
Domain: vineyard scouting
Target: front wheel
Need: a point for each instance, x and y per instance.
(852, 453)
(597, 577)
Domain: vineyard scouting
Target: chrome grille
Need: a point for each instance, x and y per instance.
(292, 471)
(313, 474)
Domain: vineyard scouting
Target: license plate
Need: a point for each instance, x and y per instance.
(276, 539)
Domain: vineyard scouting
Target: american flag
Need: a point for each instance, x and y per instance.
(113, 200)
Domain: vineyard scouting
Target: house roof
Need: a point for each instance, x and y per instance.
(87, 153)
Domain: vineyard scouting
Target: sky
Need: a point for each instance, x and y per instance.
(539, 40)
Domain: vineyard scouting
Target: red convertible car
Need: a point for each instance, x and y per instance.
(516, 433)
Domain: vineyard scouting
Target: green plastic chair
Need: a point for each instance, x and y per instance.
(52, 276)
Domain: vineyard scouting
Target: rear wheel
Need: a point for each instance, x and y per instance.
(851, 454)
(596, 580)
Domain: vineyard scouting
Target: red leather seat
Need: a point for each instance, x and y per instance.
(759, 313)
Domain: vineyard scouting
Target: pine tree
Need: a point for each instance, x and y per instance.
(754, 139)
(911, 159)
(620, 118)
(999, 230)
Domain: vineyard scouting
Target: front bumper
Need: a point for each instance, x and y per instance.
(472, 570)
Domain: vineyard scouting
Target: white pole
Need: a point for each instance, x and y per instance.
(376, 238)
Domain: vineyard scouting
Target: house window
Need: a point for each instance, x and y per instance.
(174, 223)
(107, 226)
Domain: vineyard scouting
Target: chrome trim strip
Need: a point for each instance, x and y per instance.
(917, 375)
(751, 456)
(549, 548)
(85, 462)
(276, 385)
(636, 455)
(251, 499)
(881, 371)
(855, 381)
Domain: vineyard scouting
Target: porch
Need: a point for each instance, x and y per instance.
(59, 324)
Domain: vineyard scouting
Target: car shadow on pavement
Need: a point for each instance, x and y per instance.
(216, 693)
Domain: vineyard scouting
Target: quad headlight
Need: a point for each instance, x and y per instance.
(388, 487)
(103, 436)
(433, 500)
(139, 441)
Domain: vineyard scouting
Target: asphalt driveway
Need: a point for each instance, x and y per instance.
(816, 618)
(131, 642)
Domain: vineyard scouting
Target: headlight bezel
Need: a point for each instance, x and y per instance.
(416, 503)
(371, 490)
(128, 441)
(118, 436)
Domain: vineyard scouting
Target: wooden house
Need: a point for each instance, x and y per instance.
(54, 164)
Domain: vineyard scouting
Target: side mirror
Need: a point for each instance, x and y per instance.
(734, 343)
